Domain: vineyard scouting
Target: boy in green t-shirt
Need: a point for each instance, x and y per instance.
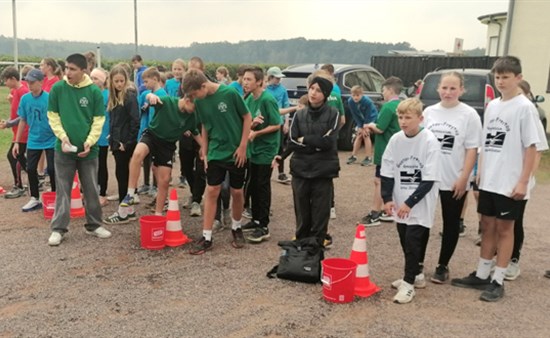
(172, 117)
(386, 125)
(264, 140)
(76, 114)
(225, 129)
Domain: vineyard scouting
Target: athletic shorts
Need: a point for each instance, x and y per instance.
(215, 174)
(377, 171)
(499, 206)
(161, 151)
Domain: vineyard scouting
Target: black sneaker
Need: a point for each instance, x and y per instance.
(385, 217)
(238, 238)
(547, 274)
(472, 282)
(493, 293)
(441, 274)
(462, 231)
(250, 226)
(201, 246)
(372, 219)
(258, 235)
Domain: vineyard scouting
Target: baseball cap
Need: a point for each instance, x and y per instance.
(34, 75)
(276, 72)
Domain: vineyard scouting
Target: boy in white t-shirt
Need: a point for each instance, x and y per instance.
(505, 171)
(410, 176)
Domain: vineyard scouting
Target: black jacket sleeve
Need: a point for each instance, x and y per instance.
(423, 188)
(133, 112)
(386, 187)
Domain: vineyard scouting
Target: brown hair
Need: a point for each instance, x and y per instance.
(454, 73)
(394, 83)
(357, 89)
(193, 80)
(116, 98)
(151, 73)
(507, 64)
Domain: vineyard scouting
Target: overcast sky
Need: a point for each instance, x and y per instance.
(427, 25)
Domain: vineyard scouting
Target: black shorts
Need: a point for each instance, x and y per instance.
(499, 206)
(161, 151)
(215, 174)
(377, 171)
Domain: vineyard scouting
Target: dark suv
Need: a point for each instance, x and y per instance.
(479, 86)
(346, 76)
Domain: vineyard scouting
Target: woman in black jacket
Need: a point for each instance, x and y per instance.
(124, 127)
(315, 163)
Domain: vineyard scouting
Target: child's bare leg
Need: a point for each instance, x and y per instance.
(357, 144)
(368, 146)
(377, 198)
(505, 241)
(488, 237)
(163, 175)
(210, 205)
(141, 151)
(237, 203)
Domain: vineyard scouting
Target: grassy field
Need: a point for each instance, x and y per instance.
(5, 134)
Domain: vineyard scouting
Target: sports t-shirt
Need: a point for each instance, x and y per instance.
(264, 147)
(172, 86)
(169, 122)
(409, 161)
(221, 114)
(335, 100)
(48, 83)
(34, 110)
(281, 96)
(457, 129)
(103, 141)
(510, 127)
(387, 122)
(17, 94)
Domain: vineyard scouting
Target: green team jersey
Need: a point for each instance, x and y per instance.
(334, 100)
(77, 106)
(221, 114)
(169, 122)
(264, 147)
(387, 122)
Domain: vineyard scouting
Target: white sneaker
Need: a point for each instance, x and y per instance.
(55, 238)
(195, 209)
(513, 271)
(405, 293)
(136, 199)
(419, 282)
(332, 213)
(32, 204)
(100, 232)
(112, 198)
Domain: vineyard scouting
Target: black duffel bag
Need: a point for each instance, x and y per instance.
(300, 261)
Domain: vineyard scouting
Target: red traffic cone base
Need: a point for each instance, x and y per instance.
(77, 209)
(174, 235)
(363, 285)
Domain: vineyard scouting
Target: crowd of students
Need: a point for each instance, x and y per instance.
(232, 135)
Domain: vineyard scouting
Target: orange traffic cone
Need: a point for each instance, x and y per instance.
(77, 209)
(363, 286)
(2, 190)
(174, 235)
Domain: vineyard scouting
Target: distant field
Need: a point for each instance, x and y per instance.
(5, 134)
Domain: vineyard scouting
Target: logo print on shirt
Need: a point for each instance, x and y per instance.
(496, 140)
(222, 107)
(83, 102)
(410, 177)
(447, 142)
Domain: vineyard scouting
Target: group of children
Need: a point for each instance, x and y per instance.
(419, 154)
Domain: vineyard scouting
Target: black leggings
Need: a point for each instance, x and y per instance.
(414, 240)
(122, 170)
(18, 164)
(518, 232)
(451, 209)
(102, 170)
(33, 156)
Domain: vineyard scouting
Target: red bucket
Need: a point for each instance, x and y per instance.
(48, 203)
(152, 231)
(338, 279)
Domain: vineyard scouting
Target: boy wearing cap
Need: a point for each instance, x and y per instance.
(76, 114)
(313, 135)
(279, 92)
(33, 112)
(10, 77)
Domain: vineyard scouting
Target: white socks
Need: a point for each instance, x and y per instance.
(235, 224)
(207, 234)
(498, 275)
(131, 191)
(484, 268)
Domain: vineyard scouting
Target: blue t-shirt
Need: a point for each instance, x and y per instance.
(34, 110)
(147, 113)
(103, 141)
(172, 86)
(278, 91)
(139, 80)
(237, 86)
(363, 112)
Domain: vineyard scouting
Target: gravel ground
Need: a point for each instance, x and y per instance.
(89, 287)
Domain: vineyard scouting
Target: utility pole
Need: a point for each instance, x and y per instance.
(135, 27)
(15, 51)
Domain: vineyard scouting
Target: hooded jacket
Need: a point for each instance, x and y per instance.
(124, 122)
(77, 112)
(316, 156)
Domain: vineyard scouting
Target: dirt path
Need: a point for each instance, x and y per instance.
(105, 288)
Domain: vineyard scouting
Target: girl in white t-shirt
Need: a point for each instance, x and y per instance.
(457, 126)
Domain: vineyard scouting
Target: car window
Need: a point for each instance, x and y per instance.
(474, 88)
(360, 78)
(377, 80)
(294, 80)
(429, 88)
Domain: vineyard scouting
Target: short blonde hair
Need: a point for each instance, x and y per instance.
(412, 105)
(357, 89)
